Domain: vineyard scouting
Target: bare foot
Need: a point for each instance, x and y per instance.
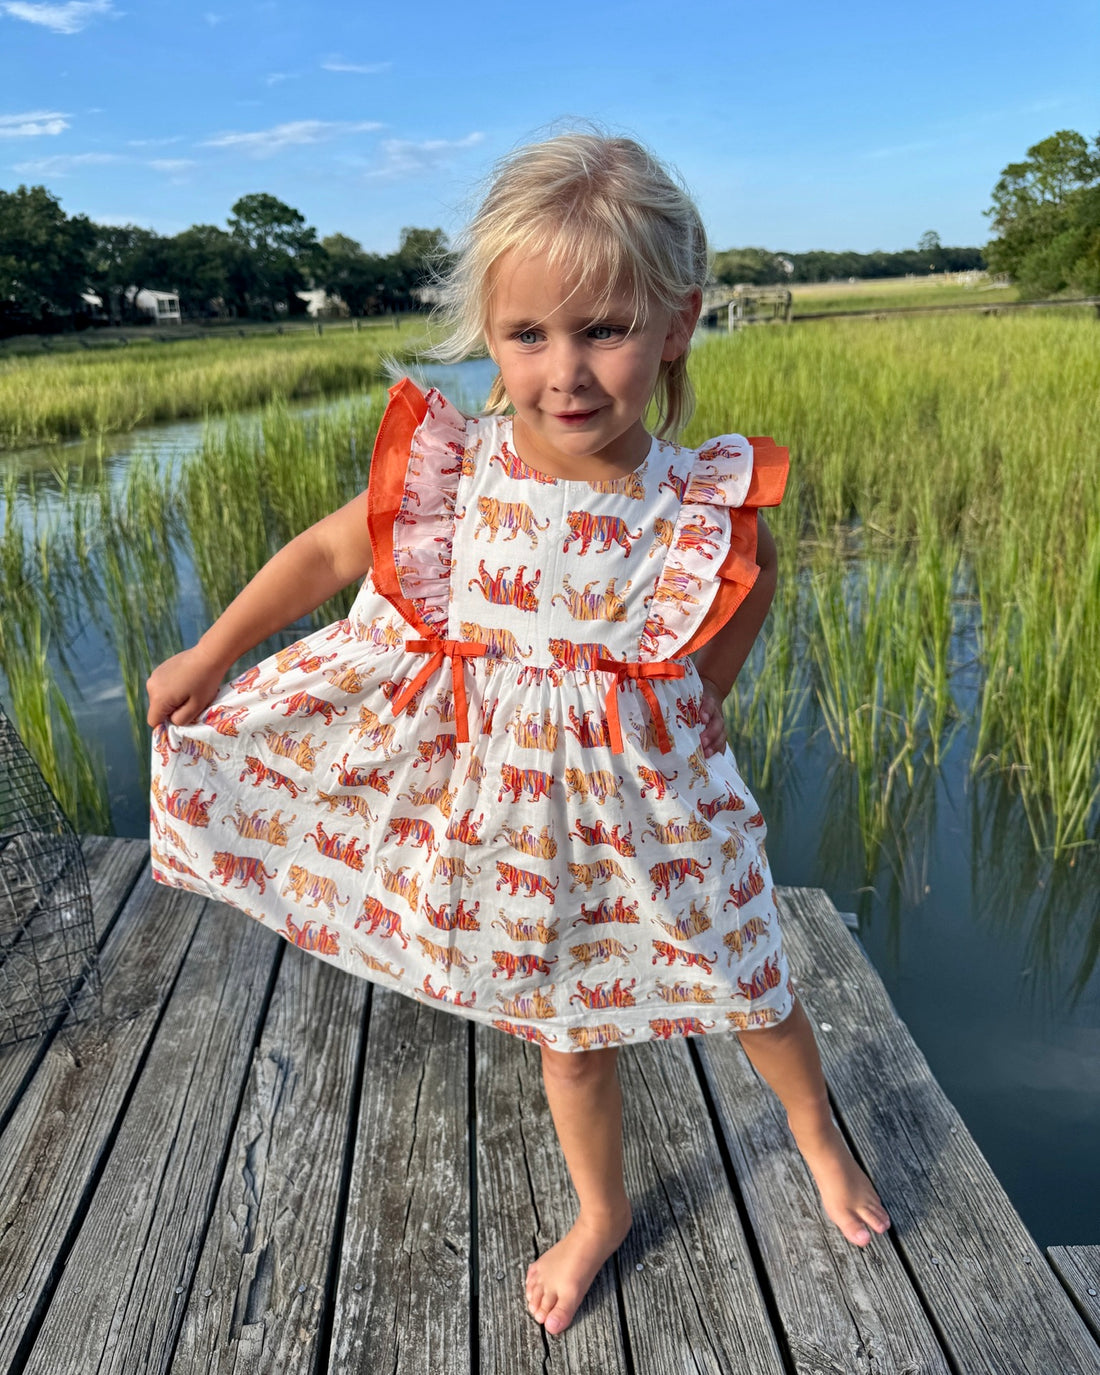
(847, 1195)
(558, 1281)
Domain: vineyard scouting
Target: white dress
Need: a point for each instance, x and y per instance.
(485, 788)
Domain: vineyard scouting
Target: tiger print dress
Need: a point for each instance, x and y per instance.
(485, 787)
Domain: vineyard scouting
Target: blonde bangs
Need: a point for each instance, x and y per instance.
(606, 212)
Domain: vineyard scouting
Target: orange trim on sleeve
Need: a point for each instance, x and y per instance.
(770, 466)
(739, 569)
(385, 489)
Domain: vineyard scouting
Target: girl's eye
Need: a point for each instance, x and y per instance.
(602, 333)
(527, 336)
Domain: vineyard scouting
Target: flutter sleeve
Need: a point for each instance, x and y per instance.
(711, 562)
(414, 477)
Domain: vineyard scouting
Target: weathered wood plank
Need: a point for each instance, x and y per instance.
(60, 1128)
(1078, 1267)
(690, 1290)
(113, 866)
(842, 1308)
(259, 1295)
(403, 1295)
(144, 1229)
(525, 1204)
(997, 1306)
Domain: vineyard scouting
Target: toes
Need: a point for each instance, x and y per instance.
(559, 1318)
(535, 1299)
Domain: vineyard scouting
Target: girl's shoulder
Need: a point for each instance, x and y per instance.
(735, 470)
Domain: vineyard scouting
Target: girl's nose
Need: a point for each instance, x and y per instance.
(568, 367)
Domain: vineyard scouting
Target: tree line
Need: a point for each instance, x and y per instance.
(1045, 216)
(761, 266)
(253, 268)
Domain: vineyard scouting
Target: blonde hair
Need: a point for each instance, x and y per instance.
(605, 210)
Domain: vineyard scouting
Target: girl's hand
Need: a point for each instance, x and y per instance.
(182, 687)
(714, 724)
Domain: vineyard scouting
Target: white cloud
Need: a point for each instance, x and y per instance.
(171, 164)
(275, 78)
(264, 142)
(359, 68)
(153, 142)
(64, 163)
(70, 17)
(214, 19)
(32, 124)
(405, 158)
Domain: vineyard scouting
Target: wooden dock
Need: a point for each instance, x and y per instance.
(247, 1161)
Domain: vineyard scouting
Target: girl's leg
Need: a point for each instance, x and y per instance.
(586, 1104)
(785, 1056)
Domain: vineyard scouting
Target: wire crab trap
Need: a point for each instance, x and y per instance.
(47, 940)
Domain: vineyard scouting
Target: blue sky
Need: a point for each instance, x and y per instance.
(797, 127)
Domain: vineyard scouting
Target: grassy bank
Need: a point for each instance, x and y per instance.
(943, 533)
(896, 293)
(44, 399)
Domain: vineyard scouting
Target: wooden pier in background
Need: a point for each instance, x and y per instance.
(247, 1161)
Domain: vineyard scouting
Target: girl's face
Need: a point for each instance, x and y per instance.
(579, 375)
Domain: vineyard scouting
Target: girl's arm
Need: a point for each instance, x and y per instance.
(720, 660)
(314, 566)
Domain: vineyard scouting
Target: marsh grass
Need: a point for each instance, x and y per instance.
(51, 398)
(248, 491)
(33, 562)
(955, 459)
(113, 561)
(894, 293)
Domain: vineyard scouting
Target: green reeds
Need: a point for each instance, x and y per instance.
(968, 446)
(45, 399)
(249, 490)
(31, 560)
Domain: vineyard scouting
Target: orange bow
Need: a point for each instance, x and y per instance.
(456, 651)
(622, 669)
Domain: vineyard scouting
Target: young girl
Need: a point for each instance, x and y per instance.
(502, 783)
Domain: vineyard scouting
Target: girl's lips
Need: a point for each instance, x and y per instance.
(574, 416)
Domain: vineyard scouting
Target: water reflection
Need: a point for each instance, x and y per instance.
(1050, 909)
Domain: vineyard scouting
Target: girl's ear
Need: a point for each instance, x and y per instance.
(682, 327)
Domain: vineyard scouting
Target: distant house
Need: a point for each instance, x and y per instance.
(321, 306)
(163, 306)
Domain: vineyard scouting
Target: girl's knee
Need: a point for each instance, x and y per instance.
(793, 1024)
(580, 1065)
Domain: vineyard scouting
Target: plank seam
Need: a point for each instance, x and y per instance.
(55, 1031)
(1088, 1316)
(547, 1357)
(30, 1334)
(624, 1330)
(763, 1283)
(327, 1323)
(475, 1260)
(200, 1239)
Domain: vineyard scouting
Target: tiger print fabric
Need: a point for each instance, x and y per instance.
(495, 800)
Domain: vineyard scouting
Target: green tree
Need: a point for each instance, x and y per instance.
(751, 266)
(1046, 216)
(348, 272)
(124, 259)
(43, 254)
(420, 254)
(206, 268)
(282, 252)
